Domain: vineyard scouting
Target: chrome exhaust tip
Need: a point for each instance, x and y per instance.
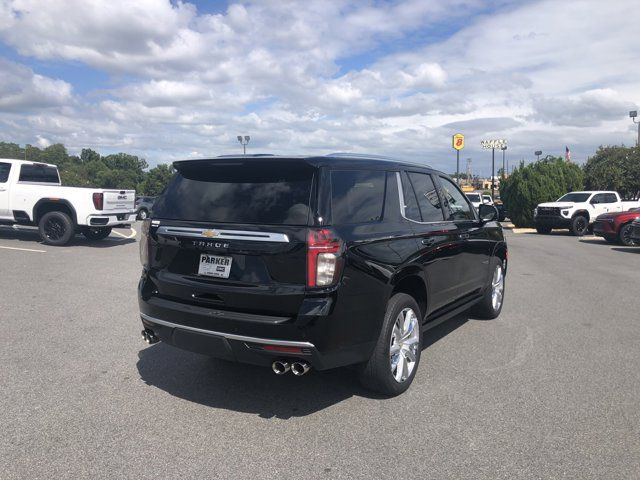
(300, 368)
(149, 337)
(280, 367)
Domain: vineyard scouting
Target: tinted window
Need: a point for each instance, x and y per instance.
(4, 171)
(473, 197)
(357, 196)
(38, 173)
(610, 198)
(411, 209)
(247, 191)
(456, 206)
(428, 199)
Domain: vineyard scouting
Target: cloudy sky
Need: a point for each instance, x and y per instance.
(169, 79)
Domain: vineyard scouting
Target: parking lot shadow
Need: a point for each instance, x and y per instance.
(627, 249)
(244, 388)
(32, 236)
(251, 389)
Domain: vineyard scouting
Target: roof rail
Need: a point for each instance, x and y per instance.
(375, 157)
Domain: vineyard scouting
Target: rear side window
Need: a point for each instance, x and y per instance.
(428, 200)
(610, 198)
(5, 168)
(357, 196)
(243, 191)
(38, 173)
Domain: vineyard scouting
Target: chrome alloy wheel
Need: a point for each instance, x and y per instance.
(497, 288)
(405, 340)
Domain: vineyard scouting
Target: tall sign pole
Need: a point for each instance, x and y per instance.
(493, 144)
(457, 142)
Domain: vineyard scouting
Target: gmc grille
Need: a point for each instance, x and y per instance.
(548, 211)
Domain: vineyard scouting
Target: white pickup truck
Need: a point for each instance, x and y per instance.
(31, 194)
(578, 210)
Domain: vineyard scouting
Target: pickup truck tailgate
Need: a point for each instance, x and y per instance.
(119, 200)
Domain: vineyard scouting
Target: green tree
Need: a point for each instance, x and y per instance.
(614, 168)
(543, 181)
(156, 180)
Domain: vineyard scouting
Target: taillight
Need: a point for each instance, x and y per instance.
(144, 243)
(98, 200)
(323, 257)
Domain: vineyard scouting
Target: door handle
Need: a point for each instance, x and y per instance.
(428, 242)
(3, 189)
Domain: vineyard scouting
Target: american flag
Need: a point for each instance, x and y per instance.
(567, 154)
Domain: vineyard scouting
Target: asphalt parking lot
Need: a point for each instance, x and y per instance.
(550, 389)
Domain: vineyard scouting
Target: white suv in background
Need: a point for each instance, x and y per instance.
(578, 210)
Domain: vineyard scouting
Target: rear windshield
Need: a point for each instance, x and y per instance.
(574, 197)
(38, 173)
(243, 191)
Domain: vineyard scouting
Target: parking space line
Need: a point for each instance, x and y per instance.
(24, 249)
(133, 234)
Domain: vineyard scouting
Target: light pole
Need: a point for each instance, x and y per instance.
(457, 142)
(493, 144)
(243, 141)
(537, 153)
(633, 114)
(504, 150)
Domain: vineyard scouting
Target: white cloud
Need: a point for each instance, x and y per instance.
(542, 74)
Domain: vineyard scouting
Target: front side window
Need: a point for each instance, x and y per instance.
(357, 196)
(38, 173)
(428, 200)
(456, 206)
(5, 168)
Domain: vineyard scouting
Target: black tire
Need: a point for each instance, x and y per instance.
(377, 374)
(96, 233)
(56, 228)
(143, 214)
(579, 225)
(543, 229)
(624, 236)
(488, 308)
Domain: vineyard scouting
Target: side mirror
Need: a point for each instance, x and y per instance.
(488, 213)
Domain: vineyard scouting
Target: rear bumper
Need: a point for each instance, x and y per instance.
(111, 219)
(314, 335)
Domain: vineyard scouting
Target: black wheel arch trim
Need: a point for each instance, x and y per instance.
(54, 201)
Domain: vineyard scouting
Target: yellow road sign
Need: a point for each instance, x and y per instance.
(458, 141)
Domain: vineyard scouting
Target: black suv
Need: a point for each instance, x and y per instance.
(316, 262)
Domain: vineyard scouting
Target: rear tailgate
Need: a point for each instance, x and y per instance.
(118, 200)
(232, 235)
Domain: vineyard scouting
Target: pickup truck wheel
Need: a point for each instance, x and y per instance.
(543, 229)
(579, 225)
(624, 236)
(95, 233)
(56, 228)
(395, 359)
(491, 304)
(143, 214)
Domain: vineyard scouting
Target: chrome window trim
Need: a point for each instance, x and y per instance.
(403, 206)
(230, 336)
(223, 234)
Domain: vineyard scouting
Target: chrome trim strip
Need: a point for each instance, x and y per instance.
(223, 234)
(230, 336)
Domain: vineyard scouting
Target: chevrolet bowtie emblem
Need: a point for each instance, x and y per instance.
(210, 233)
